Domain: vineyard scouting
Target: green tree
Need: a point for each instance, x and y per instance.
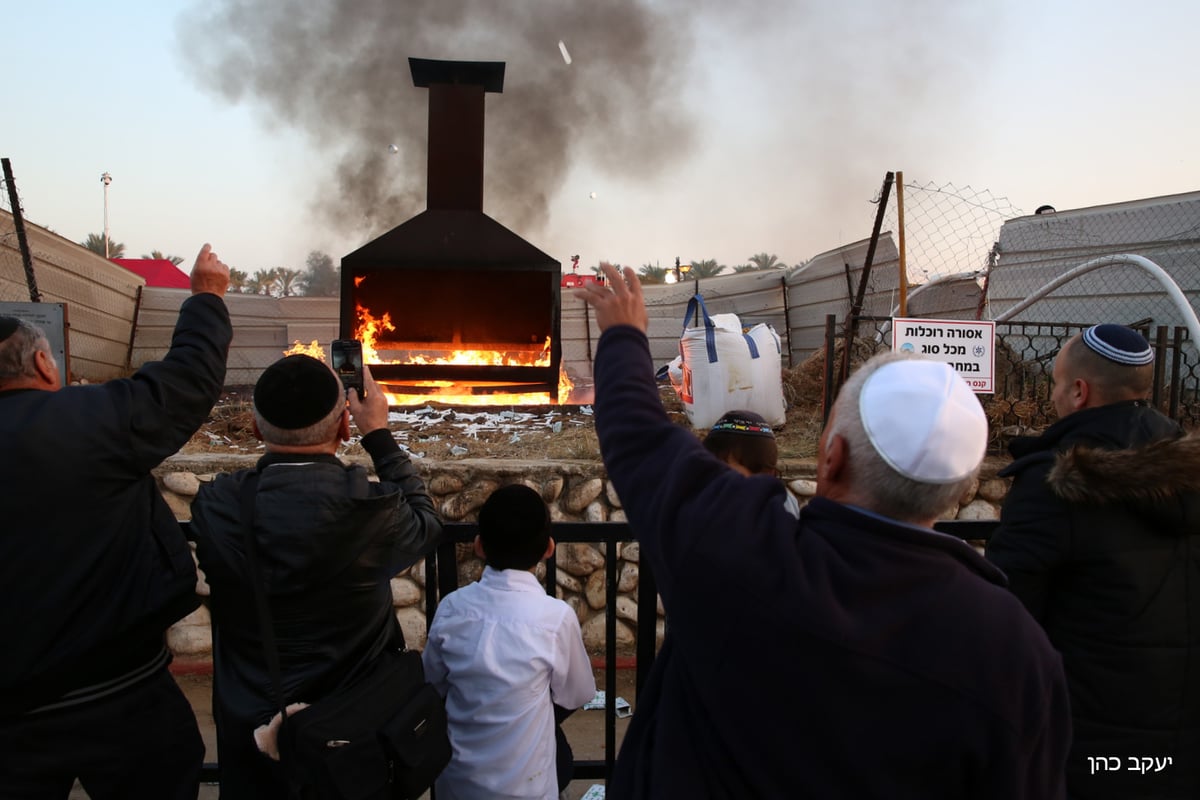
(745, 268)
(158, 255)
(321, 278)
(650, 274)
(95, 243)
(706, 268)
(762, 261)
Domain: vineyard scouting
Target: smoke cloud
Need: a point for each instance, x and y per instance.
(338, 71)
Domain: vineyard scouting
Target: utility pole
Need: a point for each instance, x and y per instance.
(19, 223)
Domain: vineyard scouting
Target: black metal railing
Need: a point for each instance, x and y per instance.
(441, 571)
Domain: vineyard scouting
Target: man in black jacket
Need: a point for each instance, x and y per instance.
(1100, 538)
(329, 542)
(851, 653)
(93, 565)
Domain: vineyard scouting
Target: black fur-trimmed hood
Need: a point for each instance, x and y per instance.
(1150, 473)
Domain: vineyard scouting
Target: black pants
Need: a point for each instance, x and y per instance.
(140, 744)
(564, 760)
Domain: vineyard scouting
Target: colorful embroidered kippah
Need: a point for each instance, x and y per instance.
(1118, 343)
(746, 422)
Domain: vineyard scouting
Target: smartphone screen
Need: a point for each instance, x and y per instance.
(346, 355)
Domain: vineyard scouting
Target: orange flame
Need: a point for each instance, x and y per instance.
(368, 332)
(299, 348)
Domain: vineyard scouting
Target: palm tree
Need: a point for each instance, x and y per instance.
(260, 282)
(95, 243)
(238, 281)
(158, 256)
(708, 268)
(745, 268)
(649, 274)
(765, 261)
(289, 281)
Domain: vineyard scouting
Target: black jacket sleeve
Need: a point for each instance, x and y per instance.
(418, 525)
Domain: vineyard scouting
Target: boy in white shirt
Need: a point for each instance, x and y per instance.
(502, 651)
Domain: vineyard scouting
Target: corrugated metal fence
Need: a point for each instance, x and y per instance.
(101, 296)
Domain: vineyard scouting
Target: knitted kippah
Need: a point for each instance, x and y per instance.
(1118, 343)
(746, 422)
(295, 392)
(7, 326)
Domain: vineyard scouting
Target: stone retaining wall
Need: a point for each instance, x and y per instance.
(576, 491)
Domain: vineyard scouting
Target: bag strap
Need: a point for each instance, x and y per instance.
(710, 327)
(751, 344)
(266, 629)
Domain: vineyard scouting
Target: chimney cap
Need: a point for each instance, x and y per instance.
(428, 71)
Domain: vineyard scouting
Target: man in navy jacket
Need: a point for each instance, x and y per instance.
(853, 653)
(93, 566)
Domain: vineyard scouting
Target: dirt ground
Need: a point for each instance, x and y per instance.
(584, 729)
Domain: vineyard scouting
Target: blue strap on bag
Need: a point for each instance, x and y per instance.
(710, 329)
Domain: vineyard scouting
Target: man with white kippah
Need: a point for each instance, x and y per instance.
(854, 652)
(1100, 538)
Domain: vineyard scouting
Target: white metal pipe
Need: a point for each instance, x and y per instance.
(1122, 259)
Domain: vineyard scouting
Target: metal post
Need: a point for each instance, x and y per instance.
(35, 296)
(856, 307)
(106, 179)
(903, 259)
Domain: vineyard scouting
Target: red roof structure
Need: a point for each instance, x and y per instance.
(156, 271)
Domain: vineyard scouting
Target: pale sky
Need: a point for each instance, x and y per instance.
(783, 121)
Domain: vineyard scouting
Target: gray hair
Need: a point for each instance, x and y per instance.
(887, 491)
(16, 352)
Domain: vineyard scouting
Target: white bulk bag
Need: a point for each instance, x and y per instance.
(721, 369)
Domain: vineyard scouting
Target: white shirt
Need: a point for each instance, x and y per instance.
(500, 651)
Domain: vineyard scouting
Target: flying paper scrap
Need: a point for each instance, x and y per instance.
(563, 49)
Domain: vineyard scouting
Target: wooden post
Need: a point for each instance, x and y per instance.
(903, 259)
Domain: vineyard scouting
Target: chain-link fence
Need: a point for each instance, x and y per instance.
(948, 230)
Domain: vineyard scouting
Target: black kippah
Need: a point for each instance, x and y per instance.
(7, 326)
(1118, 343)
(744, 422)
(295, 392)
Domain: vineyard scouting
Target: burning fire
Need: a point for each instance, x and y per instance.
(369, 330)
(299, 348)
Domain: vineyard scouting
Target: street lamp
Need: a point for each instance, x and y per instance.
(106, 179)
(681, 270)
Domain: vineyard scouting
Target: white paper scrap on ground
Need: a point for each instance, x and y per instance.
(598, 702)
(594, 792)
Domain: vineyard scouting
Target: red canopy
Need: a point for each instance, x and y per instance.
(157, 272)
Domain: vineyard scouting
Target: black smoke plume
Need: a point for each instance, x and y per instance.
(337, 70)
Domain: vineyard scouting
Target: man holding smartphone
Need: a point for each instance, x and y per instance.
(329, 540)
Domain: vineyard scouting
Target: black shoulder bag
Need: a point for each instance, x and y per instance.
(383, 737)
